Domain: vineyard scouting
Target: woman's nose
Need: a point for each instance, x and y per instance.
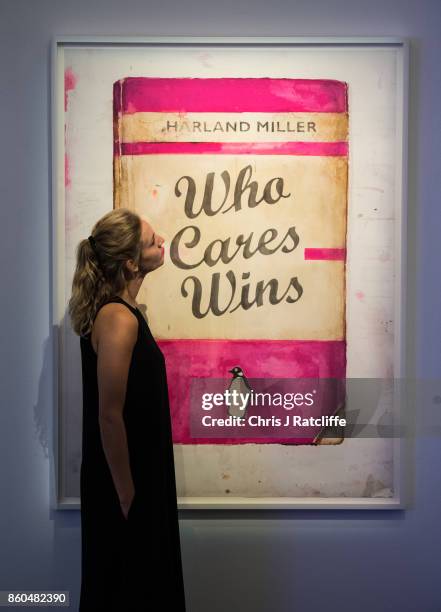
(160, 240)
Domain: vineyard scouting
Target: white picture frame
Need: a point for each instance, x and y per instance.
(67, 451)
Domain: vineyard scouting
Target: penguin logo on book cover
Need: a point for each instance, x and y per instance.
(239, 383)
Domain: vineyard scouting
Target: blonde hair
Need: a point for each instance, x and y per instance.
(100, 265)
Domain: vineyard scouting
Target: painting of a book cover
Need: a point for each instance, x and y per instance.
(246, 179)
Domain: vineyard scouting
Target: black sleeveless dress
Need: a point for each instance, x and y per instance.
(127, 564)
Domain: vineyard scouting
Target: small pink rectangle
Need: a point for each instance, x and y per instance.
(232, 148)
(143, 94)
(326, 254)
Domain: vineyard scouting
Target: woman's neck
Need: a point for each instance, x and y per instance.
(131, 291)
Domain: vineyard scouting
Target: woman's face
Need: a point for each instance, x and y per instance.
(152, 254)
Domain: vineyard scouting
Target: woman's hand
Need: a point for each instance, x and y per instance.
(126, 505)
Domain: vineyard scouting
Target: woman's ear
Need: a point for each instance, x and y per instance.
(132, 266)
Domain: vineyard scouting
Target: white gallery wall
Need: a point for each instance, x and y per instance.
(265, 560)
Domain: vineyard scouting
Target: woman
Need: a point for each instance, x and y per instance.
(129, 519)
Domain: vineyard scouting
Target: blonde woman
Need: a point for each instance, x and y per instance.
(130, 540)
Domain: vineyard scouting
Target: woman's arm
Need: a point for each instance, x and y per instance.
(116, 334)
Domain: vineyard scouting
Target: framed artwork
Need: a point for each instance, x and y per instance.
(275, 169)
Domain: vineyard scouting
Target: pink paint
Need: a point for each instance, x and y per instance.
(258, 359)
(70, 81)
(359, 295)
(66, 171)
(326, 254)
(66, 161)
(142, 94)
(232, 148)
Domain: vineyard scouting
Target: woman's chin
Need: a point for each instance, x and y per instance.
(159, 264)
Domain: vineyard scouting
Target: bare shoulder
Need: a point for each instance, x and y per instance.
(114, 321)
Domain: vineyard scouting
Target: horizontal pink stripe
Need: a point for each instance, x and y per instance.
(232, 148)
(332, 254)
(257, 358)
(143, 94)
